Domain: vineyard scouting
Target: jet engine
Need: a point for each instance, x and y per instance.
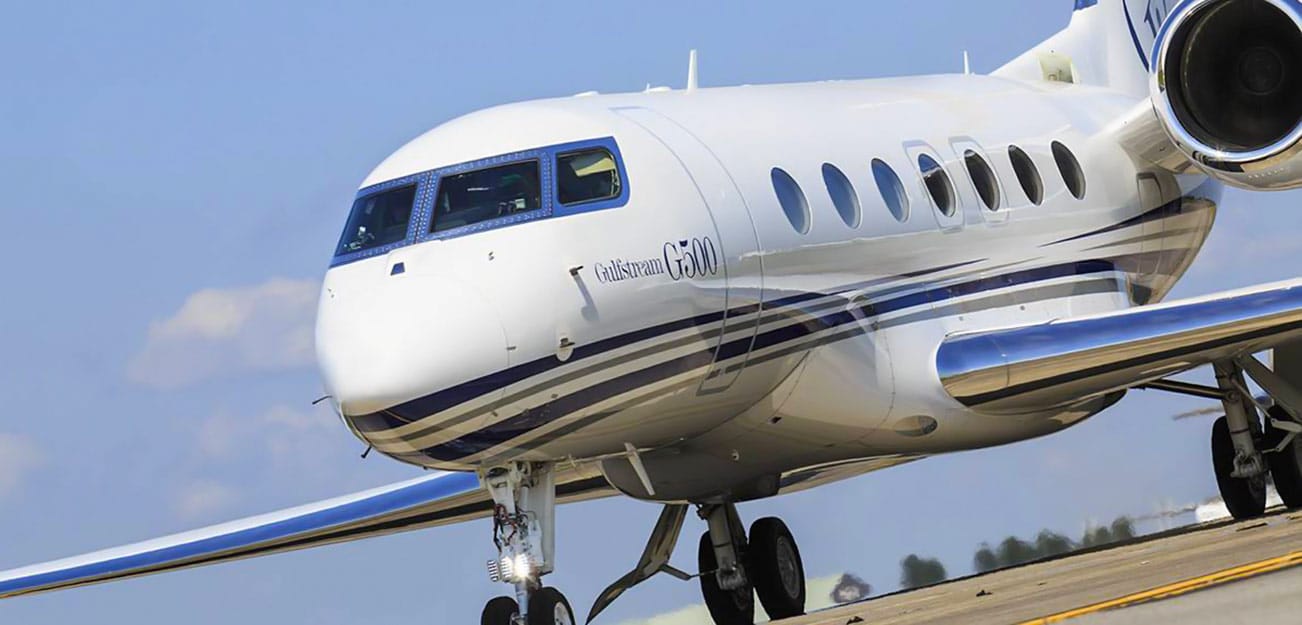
(1227, 88)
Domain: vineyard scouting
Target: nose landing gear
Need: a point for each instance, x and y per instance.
(524, 530)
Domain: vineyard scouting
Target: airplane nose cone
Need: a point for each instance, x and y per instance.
(403, 337)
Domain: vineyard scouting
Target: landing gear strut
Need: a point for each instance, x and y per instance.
(524, 530)
(734, 570)
(1283, 433)
(1239, 465)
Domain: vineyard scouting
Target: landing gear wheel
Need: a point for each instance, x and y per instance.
(1285, 465)
(500, 611)
(1245, 498)
(547, 606)
(773, 562)
(727, 607)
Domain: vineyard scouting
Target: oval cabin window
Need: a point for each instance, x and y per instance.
(843, 195)
(1027, 174)
(1070, 169)
(939, 185)
(983, 178)
(792, 199)
(892, 190)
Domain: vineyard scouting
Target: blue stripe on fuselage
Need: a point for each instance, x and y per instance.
(501, 433)
(422, 407)
(1165, 211)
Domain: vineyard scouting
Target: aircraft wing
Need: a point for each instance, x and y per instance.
(438, 499)
(1041, 366)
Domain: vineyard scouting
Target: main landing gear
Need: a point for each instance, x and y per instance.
(1244, 451)
(733, 569)
(524, 530)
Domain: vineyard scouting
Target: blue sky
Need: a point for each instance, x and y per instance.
(176, 174)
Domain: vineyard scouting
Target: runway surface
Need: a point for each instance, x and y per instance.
(1249, 571)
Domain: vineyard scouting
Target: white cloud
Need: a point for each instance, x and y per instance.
(269, 450)
(818, 595)
(222, 331)
(18, 456)
(282, 432)
(287, 442)
(201, 498)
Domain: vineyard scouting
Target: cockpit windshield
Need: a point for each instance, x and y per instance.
(485, 194)
(378, 219)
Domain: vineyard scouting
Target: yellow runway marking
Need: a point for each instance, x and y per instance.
(1178, 588)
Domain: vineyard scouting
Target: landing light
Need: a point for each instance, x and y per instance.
(516, 568)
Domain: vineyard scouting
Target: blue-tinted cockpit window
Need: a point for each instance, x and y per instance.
(484, 194)
(587, 176)
(378, 219)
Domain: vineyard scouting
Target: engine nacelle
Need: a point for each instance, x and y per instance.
(1227, 87)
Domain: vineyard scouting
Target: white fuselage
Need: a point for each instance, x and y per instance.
(696, 324)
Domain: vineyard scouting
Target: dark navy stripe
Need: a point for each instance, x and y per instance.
(1109, 285)
(422, 407)
(524, 423)
(1172, 208)
(532, 419)
(1134, 36)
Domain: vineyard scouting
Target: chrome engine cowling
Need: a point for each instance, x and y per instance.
(1227, 88)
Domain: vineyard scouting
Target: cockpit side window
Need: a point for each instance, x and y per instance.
(378, 219)
(474, 196)
(586, 176)
(463, 199)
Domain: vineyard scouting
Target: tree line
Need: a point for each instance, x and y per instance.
(917, 571)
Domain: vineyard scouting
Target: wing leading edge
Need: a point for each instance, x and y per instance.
(429, 501)
(1037, 367)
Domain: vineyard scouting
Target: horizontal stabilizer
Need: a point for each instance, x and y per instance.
(433, 500)
(1042, 366)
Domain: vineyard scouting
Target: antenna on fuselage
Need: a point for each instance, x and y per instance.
(967, 65)
(691, 71)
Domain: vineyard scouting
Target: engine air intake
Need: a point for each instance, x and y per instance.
(1227, 86)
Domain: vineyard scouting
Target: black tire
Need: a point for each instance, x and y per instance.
(774, 564)
(727, 607)
(499, 611)
(547, 606)
(1245, 499)
(1285, 466)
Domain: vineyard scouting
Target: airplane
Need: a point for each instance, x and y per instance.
(705, 296)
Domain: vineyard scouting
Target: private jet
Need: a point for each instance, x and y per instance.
(705, 296)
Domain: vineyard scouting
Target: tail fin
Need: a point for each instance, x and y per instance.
(1108, 44)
